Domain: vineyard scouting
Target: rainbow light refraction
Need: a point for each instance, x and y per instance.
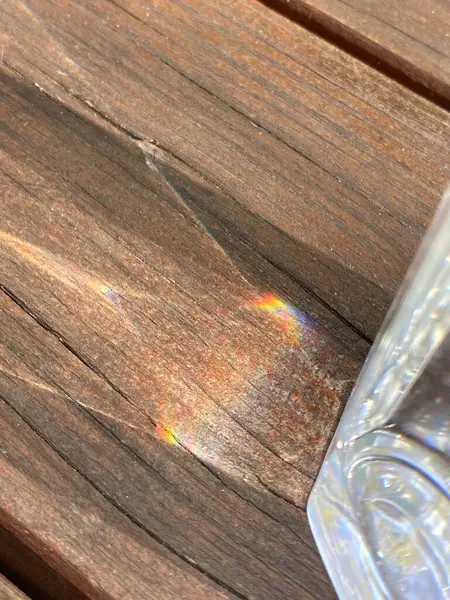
(246, 357)
(292, 326)
(283, 310)
(166, 435)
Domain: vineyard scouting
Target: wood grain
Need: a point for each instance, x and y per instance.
(203, 204)
(8, 591)
(410, 36)
(31, 573)
(337, 168)
(65, 519)
(168, 394)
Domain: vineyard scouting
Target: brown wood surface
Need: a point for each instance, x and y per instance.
(31, 573)
(8, 591)
(333, 169)
(411, 36)
(205, 212)
(167, 393)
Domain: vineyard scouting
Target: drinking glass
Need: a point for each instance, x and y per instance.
(380, 509)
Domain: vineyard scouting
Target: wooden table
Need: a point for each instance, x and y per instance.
(207, 208)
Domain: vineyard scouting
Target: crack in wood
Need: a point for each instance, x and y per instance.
(131, 517)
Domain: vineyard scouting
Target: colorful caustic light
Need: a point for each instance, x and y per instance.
(285, 312)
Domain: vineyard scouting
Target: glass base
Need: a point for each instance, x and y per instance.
(384, 534)
(380, 508)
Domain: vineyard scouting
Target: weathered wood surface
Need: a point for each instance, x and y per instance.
(193, 230)
(31, 573)
(333, 169)
(8, 591)
(167, 393)
(411, 36)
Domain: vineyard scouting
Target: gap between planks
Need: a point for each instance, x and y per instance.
(406, 71)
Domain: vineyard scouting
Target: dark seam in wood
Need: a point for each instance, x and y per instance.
(125, 396)
(242, 114)
(272, 491)
(91, 415)
(312, 24)
(12, 526)
(58, 336)
(233, 108)
(133, 137)
(279, 268)
(392, 26)
(334, 82)
(248, 501)
(160, 541)
(313, 295)
(294, 77)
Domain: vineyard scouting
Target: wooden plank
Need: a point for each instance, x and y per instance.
(337, 168)
(181, 388)
(95, 545)
(410, 36)
(8, 591)
(31, 573)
